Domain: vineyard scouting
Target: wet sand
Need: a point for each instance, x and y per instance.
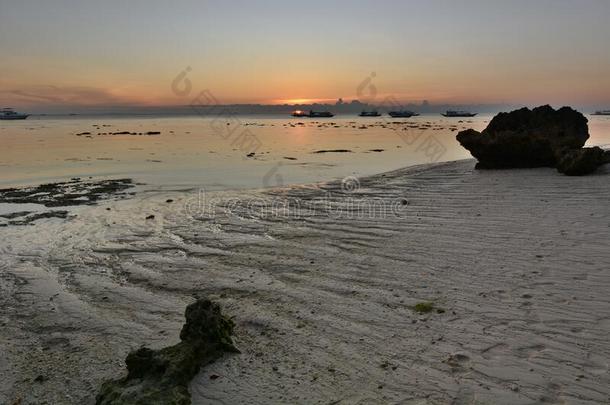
(516, 261)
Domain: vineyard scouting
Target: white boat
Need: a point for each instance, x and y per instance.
(312, 114)
(9, 114)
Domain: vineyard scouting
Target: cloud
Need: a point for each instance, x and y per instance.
(61, 96)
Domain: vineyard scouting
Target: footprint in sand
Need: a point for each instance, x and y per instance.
(603, 323)
(495, 351)
(530, 352)
(465, 396)
(596, 364)
(459, 363)
(553, 395)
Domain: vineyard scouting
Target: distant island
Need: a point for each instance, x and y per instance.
(205, 108)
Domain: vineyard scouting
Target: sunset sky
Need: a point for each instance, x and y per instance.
(82, 53)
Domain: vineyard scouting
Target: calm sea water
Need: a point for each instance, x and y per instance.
(213, 152)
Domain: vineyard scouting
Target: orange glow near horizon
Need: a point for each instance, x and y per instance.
(296, 101)
(261, 53)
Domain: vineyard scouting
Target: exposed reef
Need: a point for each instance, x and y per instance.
(535, 138)
(63, 194)
(578, 162)
(28, 217)
(333, 151)
(162, 376)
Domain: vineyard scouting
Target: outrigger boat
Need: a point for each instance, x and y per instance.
(403, 114)
(9, 114)
(320, 114)
(312, 114)
(373, 113)
(299, 113)
(453, 114)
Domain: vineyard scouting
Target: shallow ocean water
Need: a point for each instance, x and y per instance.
(211, 152)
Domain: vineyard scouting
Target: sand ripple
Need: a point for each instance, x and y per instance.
(518, 260)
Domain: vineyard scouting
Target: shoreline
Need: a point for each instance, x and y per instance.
(192, 152)
(323, 304)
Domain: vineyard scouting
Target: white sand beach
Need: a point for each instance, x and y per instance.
(517, 262)
(321, 203)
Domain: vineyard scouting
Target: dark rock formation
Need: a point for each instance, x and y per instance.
(578, 162)
(532, 138)
(163, 376)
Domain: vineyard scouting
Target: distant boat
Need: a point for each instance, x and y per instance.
(320, 114)
(403, 114)
(9, 114)
(453, 113)
(602, 112)
(370, 114)
(312, 114)
(299, 113)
